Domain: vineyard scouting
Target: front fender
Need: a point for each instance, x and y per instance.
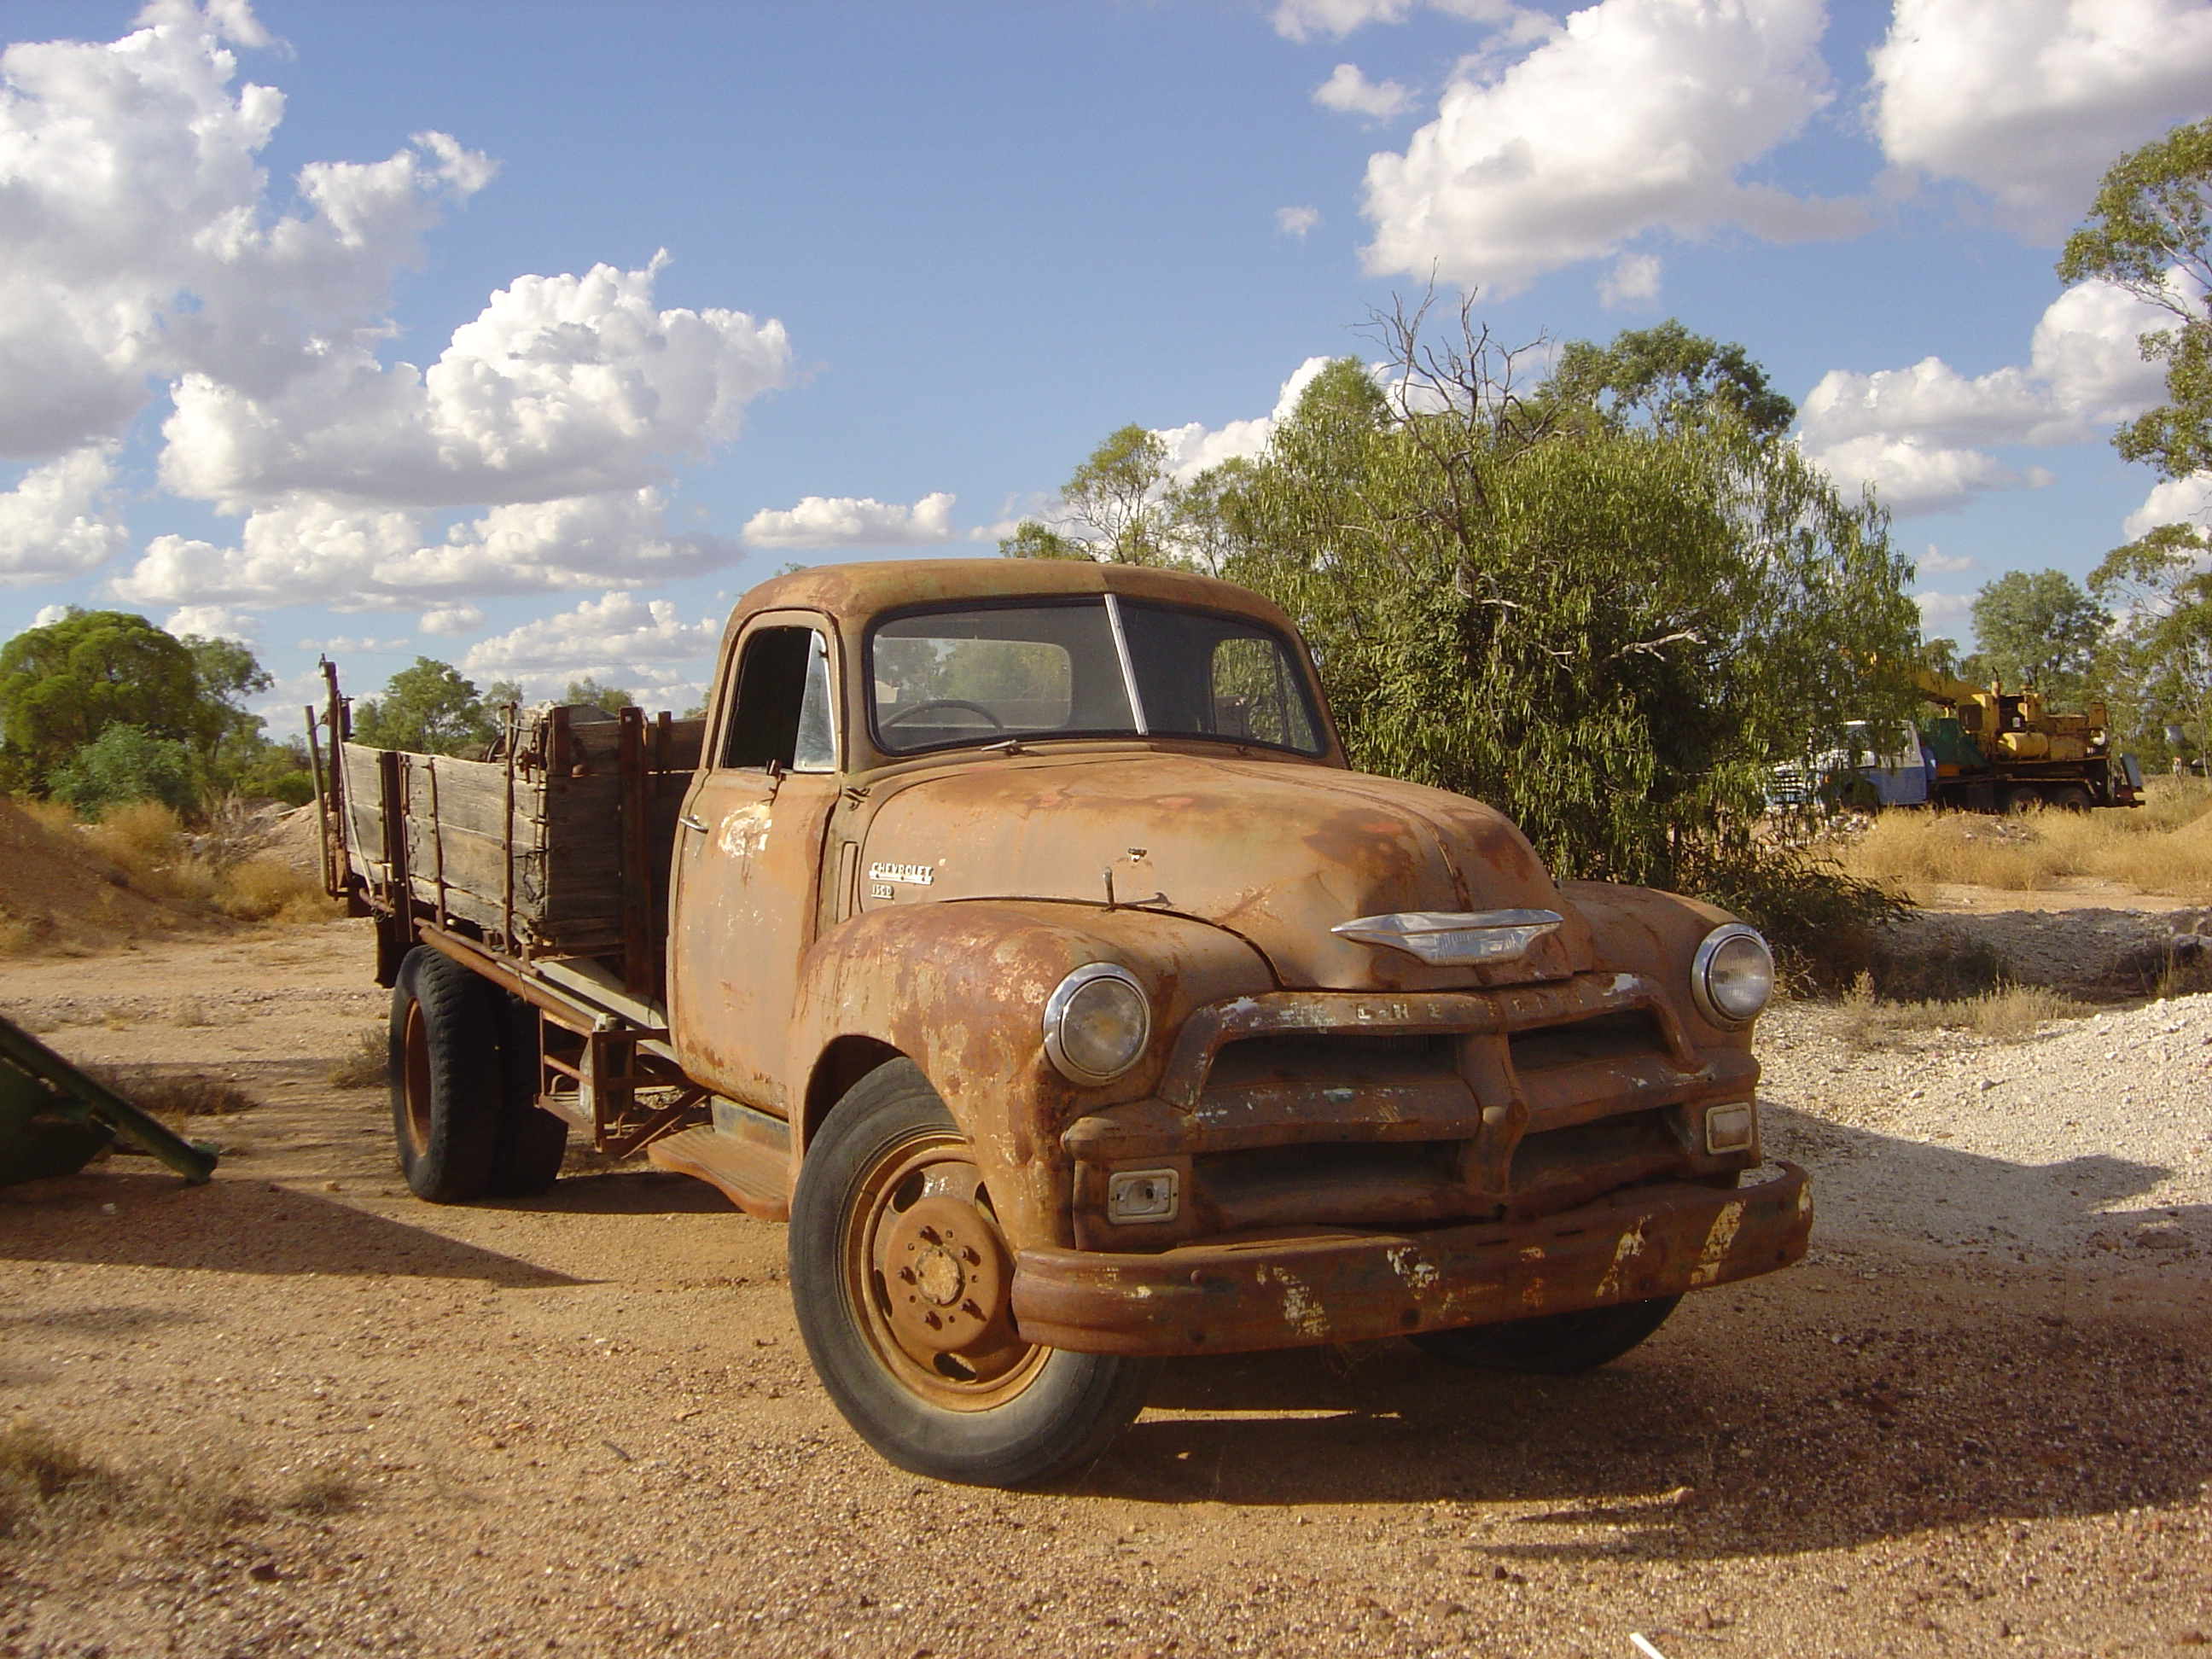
(959, 988)
(1641, 930)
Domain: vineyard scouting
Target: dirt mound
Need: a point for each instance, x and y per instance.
(55, 894)
(296, 839)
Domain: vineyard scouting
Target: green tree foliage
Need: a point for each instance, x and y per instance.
(2149, 219)
(125, 763)
(1609, 626)
(611, 698)
(63, 685)
(1667, 378)
(2039, 628)
(227, 739)
(278, 772)
(2162, 588)
(427, 707)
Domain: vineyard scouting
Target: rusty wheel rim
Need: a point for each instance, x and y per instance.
(929, 1277)
(415, 1081)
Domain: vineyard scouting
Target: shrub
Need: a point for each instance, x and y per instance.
(123, 765)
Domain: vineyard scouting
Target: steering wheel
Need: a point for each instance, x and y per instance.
(908, 714)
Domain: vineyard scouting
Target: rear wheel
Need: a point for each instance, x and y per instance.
(902, 1286)
(1553, 1344)
(444, 1077)
(2072, 799)
(2022, 799)
(532, 1142)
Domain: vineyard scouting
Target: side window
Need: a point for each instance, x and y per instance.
(783, 716)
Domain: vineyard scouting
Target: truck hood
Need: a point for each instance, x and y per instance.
(1278, 851)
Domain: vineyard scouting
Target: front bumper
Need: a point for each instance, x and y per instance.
(1296, 1293)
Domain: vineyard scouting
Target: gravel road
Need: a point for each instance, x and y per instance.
(323, 1418)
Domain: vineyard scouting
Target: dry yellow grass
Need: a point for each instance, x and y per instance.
(2164, 847)
(2007, 1014)
(364, 1065)
(263, 890)
(148, 842)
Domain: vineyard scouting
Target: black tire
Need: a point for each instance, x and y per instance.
(1551, 1345)
(444, 1077)
(2022, 799)
(526, 1160)
(2072, 799)
(1054, 1411)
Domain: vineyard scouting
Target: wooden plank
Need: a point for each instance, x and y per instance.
(598, 744)
(472, 794)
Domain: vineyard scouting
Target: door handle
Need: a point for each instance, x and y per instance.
(690, 822)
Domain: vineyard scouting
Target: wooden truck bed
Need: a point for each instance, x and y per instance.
(556, 847)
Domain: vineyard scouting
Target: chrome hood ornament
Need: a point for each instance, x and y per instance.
(1447, 938)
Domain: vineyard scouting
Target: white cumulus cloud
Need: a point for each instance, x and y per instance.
(2172, 500)
(2031, 100)
(1194, 447)
(562, 385)
(1918, 434)
(55, 523)
(310, 549)
(1297, 220)
(140, 237)
(1634, 281)
(1633, 115)
(1348, 90)
(853, 521)
(1939, 610)
(1934, 563)
(617, 638)
(1301, 19)
(451, 621)
(147, 250)
(211, 622)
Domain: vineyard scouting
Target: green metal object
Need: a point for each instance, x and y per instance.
(1951, 745)
(54, 1119)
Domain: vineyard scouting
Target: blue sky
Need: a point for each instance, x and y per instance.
(913, 252)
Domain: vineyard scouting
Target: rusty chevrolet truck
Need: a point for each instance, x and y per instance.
(1017, 932)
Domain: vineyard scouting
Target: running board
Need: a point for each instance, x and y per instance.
(743, 1154)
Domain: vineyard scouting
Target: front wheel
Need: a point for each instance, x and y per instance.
(1551, 1344)
(903, 1286)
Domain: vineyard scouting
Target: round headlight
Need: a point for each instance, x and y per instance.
(1733, 975)
(1096, 1023)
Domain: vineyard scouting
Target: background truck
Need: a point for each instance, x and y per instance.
(1017, 932)
(2001, 751)
(1991, 752)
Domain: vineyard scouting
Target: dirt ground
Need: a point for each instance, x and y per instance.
(324, 1418)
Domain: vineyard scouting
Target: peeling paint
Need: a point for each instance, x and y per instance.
(1717, 1241)
(1302, 1310)
(1407, 1263)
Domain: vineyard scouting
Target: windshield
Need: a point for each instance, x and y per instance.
(1084, 667)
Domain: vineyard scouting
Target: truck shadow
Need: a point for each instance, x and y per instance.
(1953, 1374)
(238, 1227)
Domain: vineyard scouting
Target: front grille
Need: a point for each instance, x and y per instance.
(1558, 1169)
(1329, 1057)
(1631, 1031)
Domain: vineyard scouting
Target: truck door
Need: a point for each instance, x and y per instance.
(747, 858)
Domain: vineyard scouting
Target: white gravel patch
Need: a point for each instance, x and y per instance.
(2092, 1136)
